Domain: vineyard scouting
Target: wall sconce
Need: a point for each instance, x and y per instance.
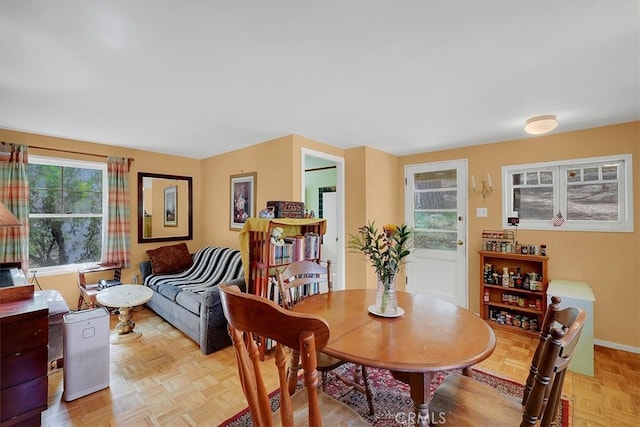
(486, 186)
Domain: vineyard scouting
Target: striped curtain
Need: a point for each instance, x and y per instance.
(14, 193)
(117, 242)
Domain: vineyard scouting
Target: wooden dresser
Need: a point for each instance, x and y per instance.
(24, 333)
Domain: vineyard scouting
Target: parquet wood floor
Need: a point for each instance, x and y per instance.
(162, 379)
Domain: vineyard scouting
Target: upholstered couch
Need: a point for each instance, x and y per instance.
(185, 290)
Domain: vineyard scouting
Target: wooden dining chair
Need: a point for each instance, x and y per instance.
(249, 316)
(302, 279)
(463, 401)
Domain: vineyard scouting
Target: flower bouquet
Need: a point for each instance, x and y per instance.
(385, 249)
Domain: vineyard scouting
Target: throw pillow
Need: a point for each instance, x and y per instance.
(170, 259)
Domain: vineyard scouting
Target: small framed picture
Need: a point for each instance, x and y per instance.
(170, 206)
(242, 199)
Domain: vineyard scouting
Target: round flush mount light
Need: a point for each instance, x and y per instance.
(541, 124)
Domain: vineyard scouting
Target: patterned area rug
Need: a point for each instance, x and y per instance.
(391, 397)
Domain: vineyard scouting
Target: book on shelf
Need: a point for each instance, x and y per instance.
(312, 245)
(295, 248)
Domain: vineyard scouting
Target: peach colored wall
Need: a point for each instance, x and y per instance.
(607, 261)
(144, 161)
(271, 161)
(372, 194)
(278, 164)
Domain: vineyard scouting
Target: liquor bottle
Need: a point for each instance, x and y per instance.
(518, 279)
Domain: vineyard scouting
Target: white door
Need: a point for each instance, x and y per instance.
(330, 239)
(436, 208)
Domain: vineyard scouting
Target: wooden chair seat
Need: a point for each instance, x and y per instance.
(463, 401)
(334, 413)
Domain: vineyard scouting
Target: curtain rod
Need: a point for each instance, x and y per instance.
(129, 159)
(320, 169)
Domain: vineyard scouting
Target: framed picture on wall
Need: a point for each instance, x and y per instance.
(171, 206)
(242, 199)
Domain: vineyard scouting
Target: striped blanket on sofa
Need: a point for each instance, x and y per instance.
(211, 265)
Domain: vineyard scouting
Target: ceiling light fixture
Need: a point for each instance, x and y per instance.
(541, 124)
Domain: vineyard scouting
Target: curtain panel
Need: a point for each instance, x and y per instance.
(14, 193)
(117, 242)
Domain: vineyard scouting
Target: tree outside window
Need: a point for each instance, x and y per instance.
(67, 204)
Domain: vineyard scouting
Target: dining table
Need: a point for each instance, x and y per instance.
(430, 335)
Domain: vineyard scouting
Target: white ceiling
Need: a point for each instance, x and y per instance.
(198, 78)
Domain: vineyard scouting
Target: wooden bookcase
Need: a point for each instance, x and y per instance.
(517, 309)
(259, 254)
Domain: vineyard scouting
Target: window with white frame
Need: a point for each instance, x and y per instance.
(67, 212)
(594, 194)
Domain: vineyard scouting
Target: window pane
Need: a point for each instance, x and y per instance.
(517, 179)
(45, 189)
(83, 190)
(54, 241)
(446, 241)
(596, 202)
(610, 173)
(573, 175)
(591, 174)
(532, 178)
(535, 203)
(45, 201)
(546, 177)
(435, 220)
(436, 200)
(44, 176)
(438, 179)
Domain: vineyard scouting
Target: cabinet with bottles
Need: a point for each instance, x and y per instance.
(513, 290)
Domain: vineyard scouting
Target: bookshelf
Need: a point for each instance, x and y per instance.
(260, 258)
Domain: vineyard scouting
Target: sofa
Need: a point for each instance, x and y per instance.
(185, 290)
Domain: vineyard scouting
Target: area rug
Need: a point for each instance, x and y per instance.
(391, 397)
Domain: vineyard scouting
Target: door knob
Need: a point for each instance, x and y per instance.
(460, 243)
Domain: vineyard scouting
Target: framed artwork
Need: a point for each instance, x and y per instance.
(242, 199)
(170, 206)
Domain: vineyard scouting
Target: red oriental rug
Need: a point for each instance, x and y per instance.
(391, 397)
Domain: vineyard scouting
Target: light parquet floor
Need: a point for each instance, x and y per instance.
(162, 379)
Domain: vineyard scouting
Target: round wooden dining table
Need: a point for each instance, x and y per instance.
(432, 335)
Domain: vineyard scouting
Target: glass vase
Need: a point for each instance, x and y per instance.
(386, 296)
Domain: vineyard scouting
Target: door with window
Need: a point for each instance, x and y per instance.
(435, 208)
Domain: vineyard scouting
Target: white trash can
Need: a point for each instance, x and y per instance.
(86, 352)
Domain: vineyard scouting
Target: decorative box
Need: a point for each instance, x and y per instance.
(285, 209)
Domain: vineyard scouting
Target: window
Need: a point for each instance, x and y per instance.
(67, 212)
(593, 194)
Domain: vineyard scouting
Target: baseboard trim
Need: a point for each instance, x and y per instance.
(617, 346)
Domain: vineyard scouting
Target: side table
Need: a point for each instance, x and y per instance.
(124, 298)
(88, 291)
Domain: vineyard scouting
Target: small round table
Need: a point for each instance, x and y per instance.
(124, 298)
